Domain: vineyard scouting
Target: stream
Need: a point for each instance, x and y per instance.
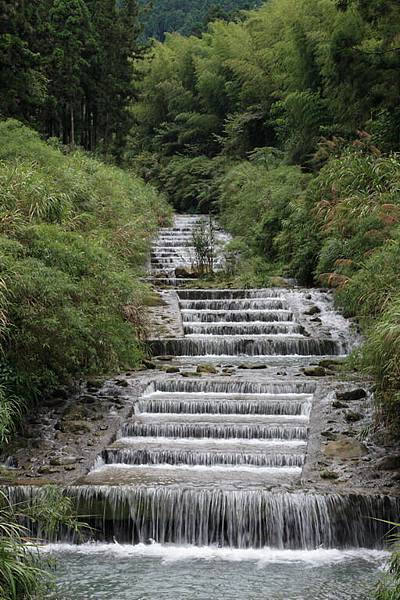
(203, 493)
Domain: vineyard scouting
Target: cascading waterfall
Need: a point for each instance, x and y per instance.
(242, 304)
(211, 430)
(217, 461)
(225, 407)
(217, 386)
(245, 329)
(235, 316)
(225, 295)
(196, 458)
(247, 346)
(238, 519)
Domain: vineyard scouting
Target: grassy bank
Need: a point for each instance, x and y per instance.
(338, 228)
(74, 235)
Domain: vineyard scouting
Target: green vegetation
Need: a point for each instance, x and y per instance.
(66, 68)
(23, 574)
(187, 16)
(284, 120)
(257, 226)
(287, 124)
(74, 234)
(389, 587)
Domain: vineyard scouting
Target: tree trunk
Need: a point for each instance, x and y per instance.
(72, 125)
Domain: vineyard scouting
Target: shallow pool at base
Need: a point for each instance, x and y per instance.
(113, 572)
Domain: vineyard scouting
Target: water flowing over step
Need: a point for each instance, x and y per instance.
(246, 329)
(230, 388)
(211, 433)
(219, 461)
(211, 430)
(260, 406)
(242, 304)
(236, 316)
(236, 519)
(247, 346)
(245, 322)
(197, 458)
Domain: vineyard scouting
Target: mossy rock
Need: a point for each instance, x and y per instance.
(345, 448)
(207, 368)
(315, 371)
(352, 395)
(75, 427)
(190, 374)
(329, 475)
(170, 369)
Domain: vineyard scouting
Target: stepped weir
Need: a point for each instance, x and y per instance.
(216, 450)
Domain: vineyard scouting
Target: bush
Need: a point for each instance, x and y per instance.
(74, 234)
(191, 184)
(389, 586)
(255, 200)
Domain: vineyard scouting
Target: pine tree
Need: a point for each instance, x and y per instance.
(71, 37)
(22, 84)
(111, 70)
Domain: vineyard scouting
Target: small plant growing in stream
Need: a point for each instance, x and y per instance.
(24, 574)
(203, 239)
(389, 586)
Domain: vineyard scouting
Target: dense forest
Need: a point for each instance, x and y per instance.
(66, 68)
(288, 125)
(188, 16)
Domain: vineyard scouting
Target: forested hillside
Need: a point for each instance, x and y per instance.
(74, 234)
(74, 231)
(288, 124)
(188, 16)
(66, 68)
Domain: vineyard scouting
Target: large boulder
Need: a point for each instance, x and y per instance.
(345, 448)
(349, 395)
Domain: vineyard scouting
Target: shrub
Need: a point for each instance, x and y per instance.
(255, 201)
(74, 234)
(191, 184)
(23, 573)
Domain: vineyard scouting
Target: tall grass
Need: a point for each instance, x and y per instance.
(74, 237)
(340, 228)
(389, 586)
(255, 199)
(23, 573)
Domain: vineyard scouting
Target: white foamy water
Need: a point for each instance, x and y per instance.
(129, 441)
(101, 467)
(172, 553)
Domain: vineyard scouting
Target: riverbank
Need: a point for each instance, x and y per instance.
(74, 239)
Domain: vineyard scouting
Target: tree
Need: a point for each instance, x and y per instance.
(22, 84)
(71, 37)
